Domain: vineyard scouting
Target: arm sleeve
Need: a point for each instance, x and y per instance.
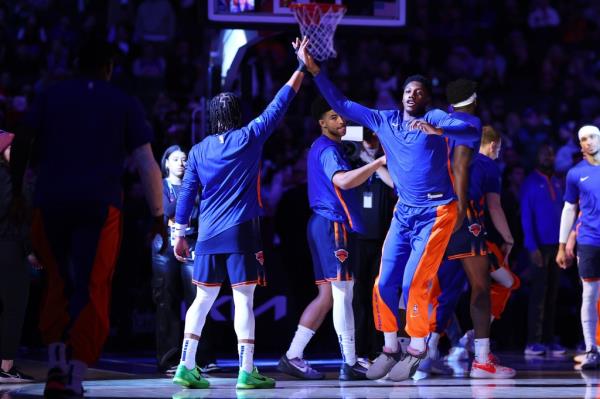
(566, 221)
(263, 126)
(453, 128)
(188, 191)
(527, 216)
(348, 109)
(137, 130)
(332, 162)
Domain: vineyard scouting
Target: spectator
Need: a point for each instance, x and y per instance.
(541, 206)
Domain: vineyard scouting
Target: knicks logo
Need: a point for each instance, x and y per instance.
(475, 229)
(341, 254)
(260, 257)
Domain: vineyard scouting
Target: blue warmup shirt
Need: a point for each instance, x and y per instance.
(227, 166)
(325, 159)
(541, 209)
(418, 163)
(472, 143)
(583, 185)
(84, 130)
(484, 178)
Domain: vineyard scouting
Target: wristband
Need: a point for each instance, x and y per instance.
(178, 230)
(301, 67)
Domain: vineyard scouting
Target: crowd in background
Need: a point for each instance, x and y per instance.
(536, 63)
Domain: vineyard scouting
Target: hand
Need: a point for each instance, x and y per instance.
(301, 49)
(460, 218)
(536, 258)
(570, 247)
(425, 127)
(561, 258)
(34, 262)
(506, 249)
(383, 160)
(181, 250)
(159, 228)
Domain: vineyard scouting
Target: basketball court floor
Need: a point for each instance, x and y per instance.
(540, 377)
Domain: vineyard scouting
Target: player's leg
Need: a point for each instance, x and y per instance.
(446, 291)
(321, 241)
(245, 272)
(588, 257)
(431, 231)
(209, 272)
(484, 365)
(54, 316)
(86, 256)
(386, 295)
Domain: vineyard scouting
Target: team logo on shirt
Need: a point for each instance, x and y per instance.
(475, 229)
(260, 257)
(341, 254)
(415, 311)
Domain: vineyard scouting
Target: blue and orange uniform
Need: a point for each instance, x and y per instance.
(426, 210)
(227, 167)
(84, 129)
(336, 213)
(583, 186)
(470, 240)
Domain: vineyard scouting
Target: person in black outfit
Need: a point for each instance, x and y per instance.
(172, 280)
(14, 276)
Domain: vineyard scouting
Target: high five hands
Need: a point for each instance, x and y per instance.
(301, 49)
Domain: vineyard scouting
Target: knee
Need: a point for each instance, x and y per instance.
(325, 301)
(479, 293)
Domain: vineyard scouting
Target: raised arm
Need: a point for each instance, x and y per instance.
(264, 125)
(339, 103)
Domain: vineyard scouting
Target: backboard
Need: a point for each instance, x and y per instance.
(370, 13)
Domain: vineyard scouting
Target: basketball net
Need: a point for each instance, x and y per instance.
(318, 22)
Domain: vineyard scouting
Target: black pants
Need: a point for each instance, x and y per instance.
(542, 298)
(14, 291)
(368, 340)
(172, 284)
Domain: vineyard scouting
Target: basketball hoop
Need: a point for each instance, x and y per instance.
(318, 22)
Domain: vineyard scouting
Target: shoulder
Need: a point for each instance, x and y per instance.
(435, 114)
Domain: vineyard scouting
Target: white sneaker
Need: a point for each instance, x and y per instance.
(491, 369)
(457, 354)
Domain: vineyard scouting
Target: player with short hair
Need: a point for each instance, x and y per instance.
(336, 216)
(416, 140)
(226, 164)
(583, 192)
(469, 248)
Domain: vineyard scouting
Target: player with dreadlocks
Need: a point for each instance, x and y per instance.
(226, 164)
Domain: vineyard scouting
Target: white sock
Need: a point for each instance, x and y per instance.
(589, 313)
(417, 344)
(390, 342)
(348, 347)
(57, 357)
(343, 318)
(188, 353)
(482, 349)
(76, 370)
(246, 352)
(432, 345)
(301, 339)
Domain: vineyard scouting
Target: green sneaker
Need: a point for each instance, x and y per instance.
(190, 378)
(253, 380)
